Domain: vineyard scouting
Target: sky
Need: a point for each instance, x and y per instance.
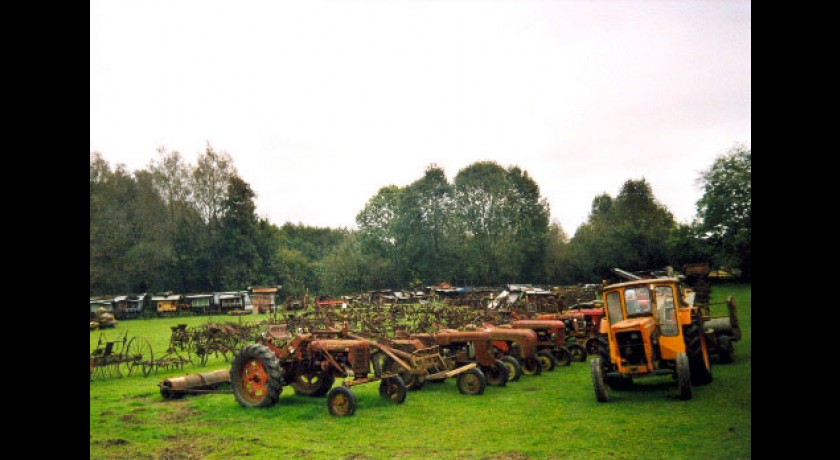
(322, 103)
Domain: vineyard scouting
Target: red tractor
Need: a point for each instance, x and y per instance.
(518, 349)
(583, 321)
(459, 349)
(551, 339)
(310, 363)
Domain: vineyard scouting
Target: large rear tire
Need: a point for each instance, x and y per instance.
(562, 356)
(601, 392)
(683, 377)
(256, 377)
(313, 383)
(697, 354)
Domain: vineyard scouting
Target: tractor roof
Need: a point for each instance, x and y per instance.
(643, 282)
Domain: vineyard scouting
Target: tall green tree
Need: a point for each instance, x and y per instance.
(421, 228)
(725, 209)
(629, 232)
(500, 222)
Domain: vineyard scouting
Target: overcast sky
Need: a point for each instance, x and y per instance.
(322, 103)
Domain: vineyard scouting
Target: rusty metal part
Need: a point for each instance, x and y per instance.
(203, 383)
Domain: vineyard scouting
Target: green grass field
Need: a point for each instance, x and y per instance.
(554, 415)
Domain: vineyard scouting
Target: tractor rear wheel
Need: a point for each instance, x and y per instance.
(562, 356)
(472, 382)
(601, 392)
(683, 377)
(530, 366)
(256, 377)
(497, 374)
(313, 383)
(578, 351)
(341, 402)
(698, 355)
(393, 389)
(546, 359)
(513, 367)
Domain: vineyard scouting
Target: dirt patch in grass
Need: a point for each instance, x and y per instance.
(183, 450)
(129, 418)
(107, 412)
(513, 455)
(355, 456)
(181, 413)
(110, 442)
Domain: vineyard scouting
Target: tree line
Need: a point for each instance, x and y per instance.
(174, 226)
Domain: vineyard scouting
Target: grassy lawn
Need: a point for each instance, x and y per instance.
(554, 415)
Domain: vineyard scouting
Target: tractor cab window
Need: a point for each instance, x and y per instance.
(637, 301)
(614, 307)
(667, 310)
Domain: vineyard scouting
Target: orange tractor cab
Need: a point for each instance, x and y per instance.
(649, 330)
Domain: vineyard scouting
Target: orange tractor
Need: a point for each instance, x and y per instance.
(650, 330)
(310, 363)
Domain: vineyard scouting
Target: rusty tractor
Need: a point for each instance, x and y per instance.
(551, 342)
(415, 362)
(310, 363)
(720, 331)
(650, 330)
(582, 324)
(518, 345)
(462, 348)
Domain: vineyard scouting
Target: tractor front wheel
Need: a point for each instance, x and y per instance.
(513, 367)
(601, 392)
(341, 402)
(472, 382)
(497, 374)
(546, 360)
(578, 351)
(531, 366)
(256, 377)
(562, 356)
(393, 389)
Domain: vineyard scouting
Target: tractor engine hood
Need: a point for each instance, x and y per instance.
(634, 324)
(337, 345)
(539, 324)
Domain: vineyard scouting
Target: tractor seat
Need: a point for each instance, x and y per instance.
(279, 332)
